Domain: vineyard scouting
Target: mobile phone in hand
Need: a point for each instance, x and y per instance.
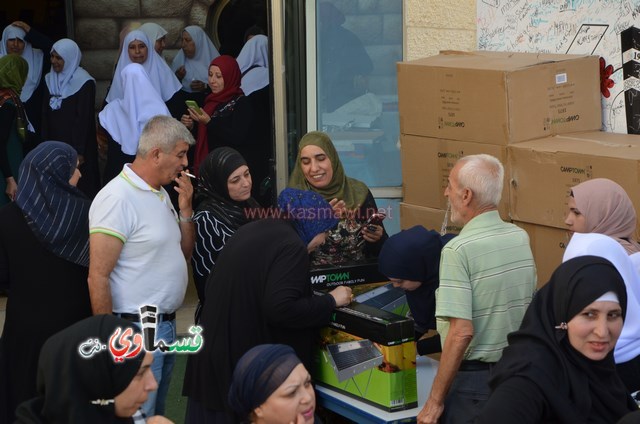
(193, 105)
(374, 220)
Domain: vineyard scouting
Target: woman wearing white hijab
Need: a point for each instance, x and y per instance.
(19, 38)
(156, 34)
(69, 110)
(124, 118)
(627, 350)
(191, 64)
(254, 64)
(161, 76)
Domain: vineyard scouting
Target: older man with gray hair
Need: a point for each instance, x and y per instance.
(487, 279)
(139, 245)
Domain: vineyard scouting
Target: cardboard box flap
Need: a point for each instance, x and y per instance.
(624, 146)
(495, 61)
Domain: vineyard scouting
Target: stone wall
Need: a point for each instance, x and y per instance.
(98, 24)
(434, 25)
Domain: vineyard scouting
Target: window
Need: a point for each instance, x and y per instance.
(357, 47)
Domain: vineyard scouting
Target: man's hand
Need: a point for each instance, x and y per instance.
(104, 251)
(187, 228)
(185, 194)
(431, 412)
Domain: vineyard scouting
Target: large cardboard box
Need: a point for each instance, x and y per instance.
(430, 218)
(544, 171)
(548, 245)
(427, 162)
(369, 354)
(498, 97)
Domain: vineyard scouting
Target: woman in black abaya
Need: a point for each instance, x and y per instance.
(44, 255)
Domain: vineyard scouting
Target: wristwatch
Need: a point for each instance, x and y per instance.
(183, 219)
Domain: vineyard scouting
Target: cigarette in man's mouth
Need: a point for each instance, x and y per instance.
(189, 175)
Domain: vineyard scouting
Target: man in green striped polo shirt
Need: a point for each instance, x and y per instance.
(487, 279)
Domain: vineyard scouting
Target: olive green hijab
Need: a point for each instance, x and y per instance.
(13, 72)
(341, 187)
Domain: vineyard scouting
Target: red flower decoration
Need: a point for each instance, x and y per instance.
(605, 82)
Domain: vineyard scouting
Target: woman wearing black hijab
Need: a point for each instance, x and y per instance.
(44, 255)
(558, 367)
(223, 203)
(94, 388)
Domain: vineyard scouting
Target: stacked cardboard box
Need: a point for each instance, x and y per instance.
(456, 103)
(543, 173)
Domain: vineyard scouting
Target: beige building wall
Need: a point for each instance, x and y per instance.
(434, 25)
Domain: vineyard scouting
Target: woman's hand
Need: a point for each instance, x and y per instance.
(201, 117)
(197, 85)
(23, 25)
(342, 295)
(372, 236)
(181, 72)
(187, 121)
(12, 188)
(339, 207)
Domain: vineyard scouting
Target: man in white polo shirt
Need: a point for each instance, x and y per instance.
(140, 245)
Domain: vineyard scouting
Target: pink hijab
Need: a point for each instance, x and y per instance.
(608, 210)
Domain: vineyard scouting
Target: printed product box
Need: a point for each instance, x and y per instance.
(348, 274)
(427, 162)
(382, 296)
(544, 171)
(548, 245)
(498, 97)
(369, 354)
(429, 218)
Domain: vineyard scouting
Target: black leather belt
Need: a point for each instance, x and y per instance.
(136, 317)
(475, 365)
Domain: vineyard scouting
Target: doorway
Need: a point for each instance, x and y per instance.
(50, 17)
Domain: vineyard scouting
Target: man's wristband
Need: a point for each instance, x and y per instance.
(183, 219)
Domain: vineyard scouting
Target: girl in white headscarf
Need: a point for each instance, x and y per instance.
(159, 73)
(254, 64)
(156, 34)
(627, 350)
(34, 58)
(253, 61)
(191, 64)
(69, 110)
(124, 118)
(19, 38)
